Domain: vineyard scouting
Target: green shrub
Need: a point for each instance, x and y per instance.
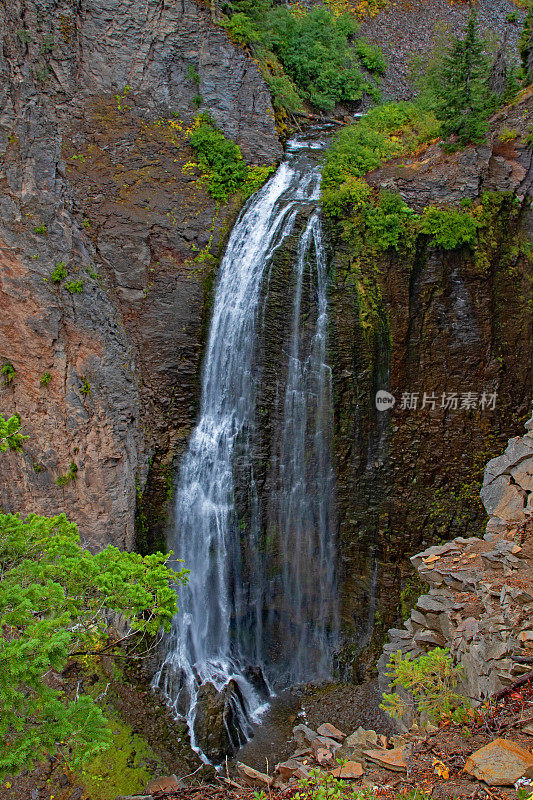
(385, 132)
(8, 371)
(385, 222)
(370, 56)
(508, 134)
(59, 272)
(85, 387)
(432, 680)
(55, 599)
(74, 287)
(220, 158)
(41, 229)
(222, 163)
(45, 379)
(10, 435)
(315, 52)
(69, 476)
(242, 29)
(449, 229)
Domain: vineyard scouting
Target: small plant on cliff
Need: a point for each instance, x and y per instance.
(222, 163)
(432, 680)
(85, 388)
(11, 437)
(41, 229)
(74, 287)
(69, 476)
(45, 379)
(55, 599)
(59, 272)
(8, 372)
(449, 228)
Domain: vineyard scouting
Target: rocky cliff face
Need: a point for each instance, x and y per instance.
(441, 322)
(94, 98)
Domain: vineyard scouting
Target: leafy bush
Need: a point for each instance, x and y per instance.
(385, 221)
(85, 388)
(371, 56)
(386, 131)
(222, 163)
(449, 228)
(8, 371)
(315, 59)
(45, 379)
(59, 272)
(10, 436)
(74, 287)
(69, 476)
(220, 158)
(314, 50)
(242, 29)
(432, 680)
(55, 599)
(41, 229)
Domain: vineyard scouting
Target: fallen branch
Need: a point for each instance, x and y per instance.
(515, 685)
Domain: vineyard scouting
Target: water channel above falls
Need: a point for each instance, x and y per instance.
(255, 510)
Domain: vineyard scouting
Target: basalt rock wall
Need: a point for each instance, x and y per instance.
(95, 99)
(452, 324)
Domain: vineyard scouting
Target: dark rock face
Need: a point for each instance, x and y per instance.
(216, 726)
(447, 321)
(92, 159)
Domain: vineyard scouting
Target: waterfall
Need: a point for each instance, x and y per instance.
(219, 634)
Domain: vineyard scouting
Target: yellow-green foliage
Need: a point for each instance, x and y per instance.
(449, 228)
(386, 131)
(221, 162)
(432, 680)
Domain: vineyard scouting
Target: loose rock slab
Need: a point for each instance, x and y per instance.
(389, 759)
(349, 771)
(500, 763)
(331, 732)
(253, 776)
(164, 784)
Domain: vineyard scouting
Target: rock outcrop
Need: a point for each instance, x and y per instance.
(480, 601)
(93, 102)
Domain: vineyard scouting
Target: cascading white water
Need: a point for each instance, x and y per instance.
(219, 632)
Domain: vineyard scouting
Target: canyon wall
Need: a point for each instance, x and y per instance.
(442, 322)
(95, 98)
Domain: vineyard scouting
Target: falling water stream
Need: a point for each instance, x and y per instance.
(231, 610)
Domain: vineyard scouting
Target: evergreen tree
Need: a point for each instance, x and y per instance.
(463, 98)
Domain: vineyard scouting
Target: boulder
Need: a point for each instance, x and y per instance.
(331, 731)
(303, 736)
(523, 474)
(217, 724)
(252, 776)
(500, 763)
(503, 499)
(362, 738)
(287, 769)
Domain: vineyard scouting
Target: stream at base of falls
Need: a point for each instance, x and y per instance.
(260, 612)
